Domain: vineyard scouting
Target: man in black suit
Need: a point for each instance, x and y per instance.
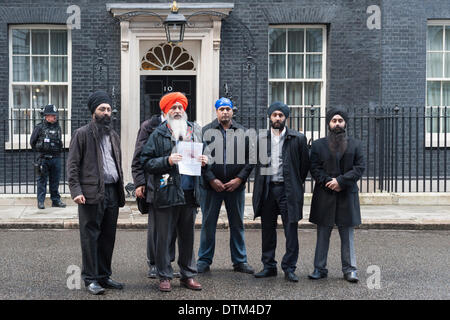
(337, 164)
(279, 189)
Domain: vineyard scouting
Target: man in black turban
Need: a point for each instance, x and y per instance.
(337, 136)
(278, 190)
(94, 170)
(337, 164)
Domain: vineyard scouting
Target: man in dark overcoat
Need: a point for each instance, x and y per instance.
(337, 163)
(279, 189)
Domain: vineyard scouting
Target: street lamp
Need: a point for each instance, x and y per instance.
(174, 25)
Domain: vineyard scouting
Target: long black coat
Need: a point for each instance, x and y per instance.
(329, 207)
(295, 168)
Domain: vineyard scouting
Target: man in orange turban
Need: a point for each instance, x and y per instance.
(168, 100)
(178, 196)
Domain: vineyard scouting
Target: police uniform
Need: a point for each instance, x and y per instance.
(46, 140)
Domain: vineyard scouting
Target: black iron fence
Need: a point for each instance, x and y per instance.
(406, 149)
(17, 173)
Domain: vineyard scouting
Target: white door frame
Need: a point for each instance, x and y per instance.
(207, 74)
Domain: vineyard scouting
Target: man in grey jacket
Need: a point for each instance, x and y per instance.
(94, 170)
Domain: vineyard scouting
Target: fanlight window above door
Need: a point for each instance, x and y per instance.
(167, 57)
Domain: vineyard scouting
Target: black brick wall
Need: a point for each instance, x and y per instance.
(365, 68)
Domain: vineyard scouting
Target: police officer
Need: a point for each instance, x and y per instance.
(46, 140)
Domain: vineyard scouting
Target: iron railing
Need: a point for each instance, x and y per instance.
(17, 174)
(406, 149)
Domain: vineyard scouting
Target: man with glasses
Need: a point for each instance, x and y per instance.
(94, 170)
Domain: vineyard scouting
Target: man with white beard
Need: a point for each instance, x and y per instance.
(176, 197)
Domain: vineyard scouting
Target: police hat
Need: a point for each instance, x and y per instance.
(50, 110)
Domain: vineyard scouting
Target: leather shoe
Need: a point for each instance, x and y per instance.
(290, 276)
(202, 268)
(111, 284)
(266, 273)
(152, 272)
(190, 283)
(41, 205)
(58, 204)
(95, 288)
(164, 285)
(244, 268)
(351, 277)
(316, 275)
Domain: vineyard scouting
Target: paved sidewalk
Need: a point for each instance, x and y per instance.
(381, 216)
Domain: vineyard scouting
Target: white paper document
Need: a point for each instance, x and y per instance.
(190, 152)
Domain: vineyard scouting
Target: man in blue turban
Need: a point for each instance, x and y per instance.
(225, 182)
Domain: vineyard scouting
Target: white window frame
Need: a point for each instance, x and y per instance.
(437, 139)
(323, 80)
(13, 139)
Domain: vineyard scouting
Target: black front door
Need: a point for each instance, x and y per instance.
(154, 87)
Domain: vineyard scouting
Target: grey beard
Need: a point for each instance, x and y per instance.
(178, 126)
(337, 141)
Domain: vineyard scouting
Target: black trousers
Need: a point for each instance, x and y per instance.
(274, 205)
(98, 223)
(51, 172)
